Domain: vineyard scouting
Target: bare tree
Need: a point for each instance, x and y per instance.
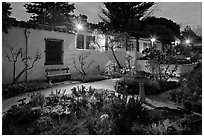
(113, 41)
(13, 57)
(84, 63)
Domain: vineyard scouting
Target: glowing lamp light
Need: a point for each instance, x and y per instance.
(177, 42)
(79, 27)
(188, 41)
(153, 40)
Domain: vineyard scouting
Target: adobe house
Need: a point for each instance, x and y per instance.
(57, 46)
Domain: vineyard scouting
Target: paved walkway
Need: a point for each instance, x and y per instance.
(105, 84)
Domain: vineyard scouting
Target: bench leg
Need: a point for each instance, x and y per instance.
(68, 77)
(49, 80)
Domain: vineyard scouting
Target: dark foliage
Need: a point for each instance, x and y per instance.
(189, 33)
(165, 29)
(50, 13)
(130, 86)
(127, 11)
(20, 88)
(98, 112)
(18, 115)
(7, 21)
(190, 93)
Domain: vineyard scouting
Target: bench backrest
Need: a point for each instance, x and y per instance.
(56, 69)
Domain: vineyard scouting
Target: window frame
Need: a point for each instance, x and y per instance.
(77, 41)
(92, 38)
(84, 41)
(61, 62)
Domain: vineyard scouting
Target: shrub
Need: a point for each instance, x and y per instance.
(130, 86)
(194, 82)
(190, 93)
(97, 112)
(43, 124)
(88, 78)
(167, 85)
(127, 86)
(16, 89)
(18, 115)
(190, 125)
(165, 127)
(112, 70)
(37, 99)
(187, 105)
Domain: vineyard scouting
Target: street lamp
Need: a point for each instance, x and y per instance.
(153, 40)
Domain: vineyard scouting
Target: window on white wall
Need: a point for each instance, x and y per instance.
(131, 45)
(89, 42)
(53, 52)
(145, 45)
(85, 42)
(80, 41)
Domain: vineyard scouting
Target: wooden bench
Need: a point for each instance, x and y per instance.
(50, 76)
(22, 101)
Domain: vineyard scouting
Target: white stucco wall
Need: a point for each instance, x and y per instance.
(16, 38)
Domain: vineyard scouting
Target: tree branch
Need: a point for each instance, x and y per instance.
(74, 62)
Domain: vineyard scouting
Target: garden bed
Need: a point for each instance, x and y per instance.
(20, 88)
(152, 87)
(88, 111)
(190, 93)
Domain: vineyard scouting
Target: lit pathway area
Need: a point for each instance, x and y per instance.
(105, 84)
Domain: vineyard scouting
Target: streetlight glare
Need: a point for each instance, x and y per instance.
(188, 41)
(79, 27)
(153, 39)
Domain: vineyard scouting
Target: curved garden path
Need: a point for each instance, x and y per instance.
(105, 84)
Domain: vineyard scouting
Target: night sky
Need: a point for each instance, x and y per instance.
(183, 13)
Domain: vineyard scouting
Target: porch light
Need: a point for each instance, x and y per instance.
(79, 27)
(153, 39)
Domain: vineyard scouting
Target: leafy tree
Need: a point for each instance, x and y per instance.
(113, 41)
(50, 13)
(6, 19)
(188, 33)
(81, 18)
(121, 16)
(166, 30)
(193, 51)
(155, 64)
(124, 17)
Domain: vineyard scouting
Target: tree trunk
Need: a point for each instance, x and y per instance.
(14, 71)
(116, 59)
(136, 49)
(141, 92)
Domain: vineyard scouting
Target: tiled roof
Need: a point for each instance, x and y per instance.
(23, 24)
